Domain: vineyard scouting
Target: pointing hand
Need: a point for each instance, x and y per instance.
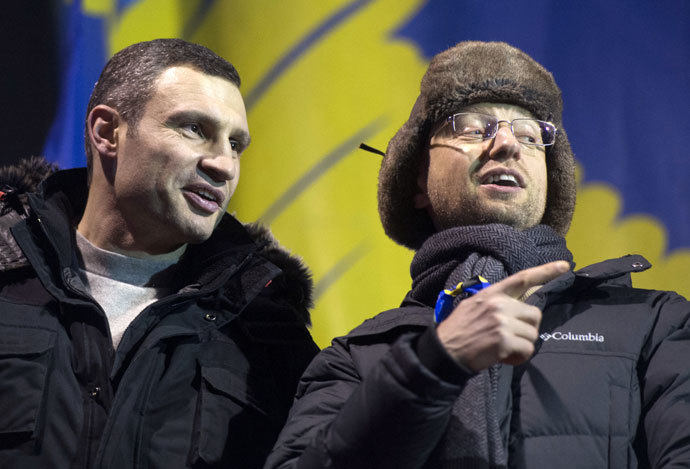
(494, 325)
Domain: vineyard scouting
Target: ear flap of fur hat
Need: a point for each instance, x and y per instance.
(468, 73)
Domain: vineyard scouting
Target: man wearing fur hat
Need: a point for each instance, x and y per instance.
(500, 355)
(140, 324)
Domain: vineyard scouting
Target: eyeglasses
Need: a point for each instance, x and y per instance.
(477, 127)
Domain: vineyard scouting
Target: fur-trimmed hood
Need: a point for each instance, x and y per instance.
(25, 176)
(299, 284)
(29, 174)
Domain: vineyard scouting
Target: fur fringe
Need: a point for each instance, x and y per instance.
(297, 276)
(26, 175)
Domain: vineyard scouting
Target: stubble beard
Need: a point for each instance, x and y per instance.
(473, 212)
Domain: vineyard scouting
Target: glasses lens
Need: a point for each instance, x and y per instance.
(548, 133)
(472, 126)
(476, 127)
(534, 132)
(527, 131)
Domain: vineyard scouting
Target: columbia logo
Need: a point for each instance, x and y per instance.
(588, 337)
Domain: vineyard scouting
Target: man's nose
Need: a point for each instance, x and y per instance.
(504, 144)
(221, 165)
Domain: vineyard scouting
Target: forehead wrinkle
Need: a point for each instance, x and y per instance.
(495, 109)
(202, 117)
(189, 83)
(182, 92)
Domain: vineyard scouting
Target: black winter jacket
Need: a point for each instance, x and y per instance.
(608, 386)
(201, 378)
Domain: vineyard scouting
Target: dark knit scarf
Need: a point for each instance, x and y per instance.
(473, 437)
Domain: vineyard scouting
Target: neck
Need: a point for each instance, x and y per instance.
(105, 227)
(122, 267)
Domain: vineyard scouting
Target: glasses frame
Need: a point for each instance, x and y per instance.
(451, 120)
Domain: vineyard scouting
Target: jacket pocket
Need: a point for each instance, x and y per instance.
(228, 417)
(25, 355)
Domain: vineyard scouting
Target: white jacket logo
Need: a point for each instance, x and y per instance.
(588, 337)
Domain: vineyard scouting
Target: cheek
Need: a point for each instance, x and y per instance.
(129, 180)
(448, 173)
(543, 171)
(541, 181)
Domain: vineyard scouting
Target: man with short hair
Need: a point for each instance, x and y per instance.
(140, 324)
(500, 355)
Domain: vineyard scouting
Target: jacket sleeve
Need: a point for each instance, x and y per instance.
(366, 406)
(666, 387)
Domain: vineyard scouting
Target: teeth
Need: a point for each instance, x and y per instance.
(493, 179)
(205, 195)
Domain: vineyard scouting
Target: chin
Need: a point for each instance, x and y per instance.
(486, 217)
(513, 221)
(197, 228)
(194, 234)
(199, 237)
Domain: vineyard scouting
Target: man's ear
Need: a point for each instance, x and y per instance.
(104, 126)
(421, 198)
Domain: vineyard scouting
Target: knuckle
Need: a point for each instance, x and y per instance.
(503, 336)
(532, 334)
(495, 323)
(529, 350)
(493, 339)
(494, 302)
(534, 313)
(522, 278)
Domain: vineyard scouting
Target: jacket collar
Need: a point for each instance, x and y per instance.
(413, 314)
(612, 272)
(59, 201)
(615, 269)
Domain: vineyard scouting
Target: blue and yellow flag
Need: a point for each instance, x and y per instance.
(321, 77)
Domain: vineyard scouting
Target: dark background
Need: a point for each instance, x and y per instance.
(30, 82)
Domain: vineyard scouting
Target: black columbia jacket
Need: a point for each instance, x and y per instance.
(608, 385)
(202, 378)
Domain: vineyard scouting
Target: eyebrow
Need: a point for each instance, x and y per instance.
(240, 135)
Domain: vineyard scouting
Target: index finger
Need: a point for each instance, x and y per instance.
(517, 284)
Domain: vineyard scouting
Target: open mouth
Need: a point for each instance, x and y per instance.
(205, 198)
(205, 195)
(502, 178)
(507, 180)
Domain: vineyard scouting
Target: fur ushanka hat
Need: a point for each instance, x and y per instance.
(472, 72)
